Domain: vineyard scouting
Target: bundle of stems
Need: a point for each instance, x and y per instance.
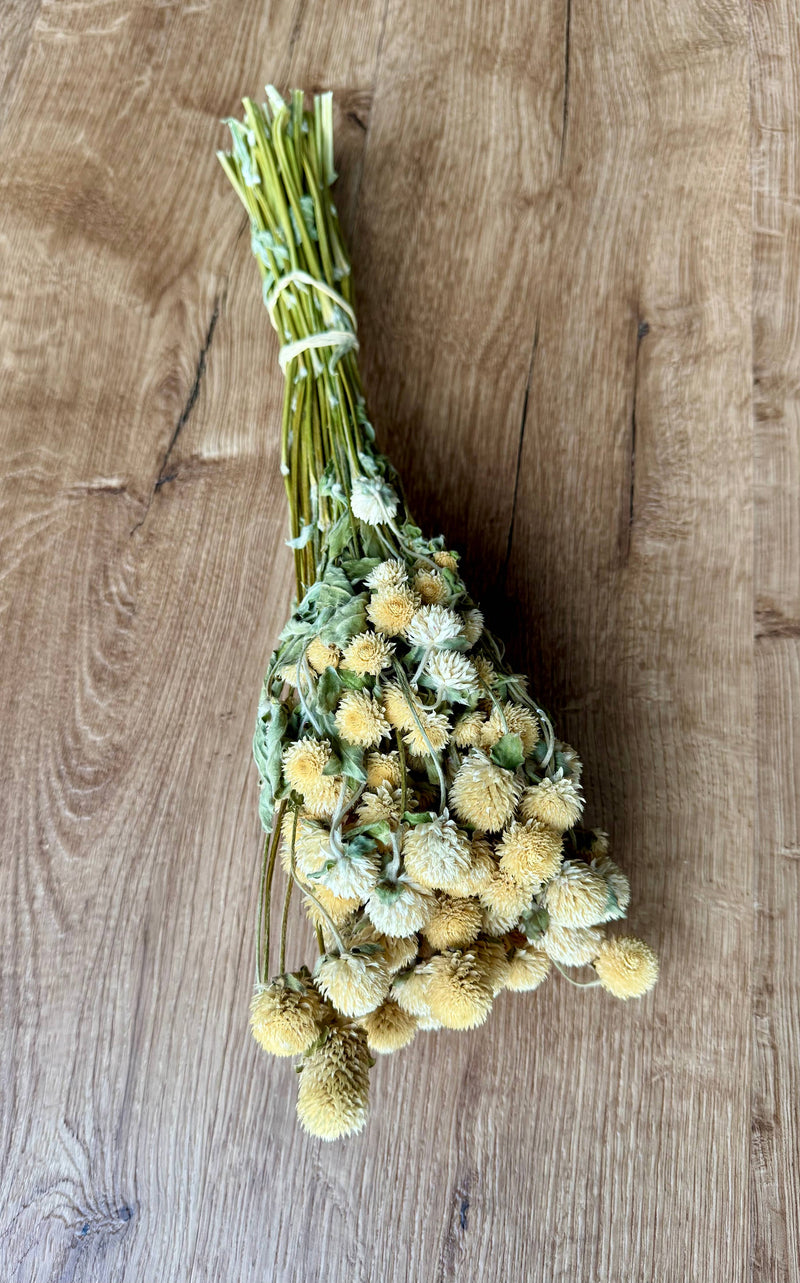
(410, 785)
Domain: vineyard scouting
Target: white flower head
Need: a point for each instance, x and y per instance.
(473, 625)
(452, 670)
(387, 574)
(373, 501)
(433, 626)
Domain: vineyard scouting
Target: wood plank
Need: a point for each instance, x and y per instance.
(775, 1162)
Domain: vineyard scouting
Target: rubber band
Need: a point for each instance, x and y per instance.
(343, 340)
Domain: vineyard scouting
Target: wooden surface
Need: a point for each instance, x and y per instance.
(576, 239)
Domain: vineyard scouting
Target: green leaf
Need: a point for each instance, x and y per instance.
(508, 752)
(265, 807)
(353, 763)
(338, 536)
(329, 688)
(418, 817)
(613, 910)
(360, 568)
(535, 922)
(352, 681)
(348, 620)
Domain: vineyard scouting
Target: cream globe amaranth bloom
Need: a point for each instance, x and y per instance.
(373, 501)
(450, 670)
(434, 626)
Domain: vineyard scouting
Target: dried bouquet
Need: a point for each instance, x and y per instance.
(412, 789)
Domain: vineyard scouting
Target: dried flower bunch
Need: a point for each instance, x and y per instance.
(411, 787)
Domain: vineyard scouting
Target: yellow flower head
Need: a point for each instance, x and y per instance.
(397, 951)
(446, 560)
(492, 962)
(389, 1028)
(484, 795)
(505, 900)
(338, 908)
(473, 625)
(626, 967)
(321, 656)
(436, 853)
(360, 719)
(333, 1091)
(527, 968)
(392, 609)
(368, 653)
(322, 799)
(354, 983)
(398, 707)
(530, 853)
(410, 990)
(459, 994)
(455, 923)
(519, 721)
(383, 768)
(382, 803)
(283, 1021)
(616, 881)
(431, 586)
(468, 729)
(554, 802)
(388, 574)
(398, 908)
(433, 733)
(480, 870)
(577, 896)
(311, 845)
(572, 946)
(349, 874)
(304, 762)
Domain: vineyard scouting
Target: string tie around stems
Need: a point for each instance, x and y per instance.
(342, 340)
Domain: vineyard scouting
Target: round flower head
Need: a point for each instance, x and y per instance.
(601, 844)
(383, 768)
(333, 1090)
(373, 501)
(480, 870)
(505, 900)
(354, 983)
(428, 1024)
(556, 802)
(387, 574)
(468, 729)
(283, 1021)
(484, 795)
(434, 626)
(431, 586)
(455, 923)
(383, 803)
(436, 853)
(410, 990)
(446, 560)
(617, 883)
(572, 763)
(626, 967)
(349, 873)
(398, 908)
(323, 798)
(432, 733)
(572, 946)
(473, 625)
(459, 994)
(527, 968)
(389, 1028)
(321, 656)
(577, 896)
(360, 719)
(518, 721)
(304, 762)
(397, 951)
(338, 908)
(367, 654)
(492, 961)
(450, 670)
(485, 670)
(310, 843)
(392, 609)
(400, 707)
(530, 852)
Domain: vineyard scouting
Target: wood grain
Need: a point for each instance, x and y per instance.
(776, 364)
(552, 228)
